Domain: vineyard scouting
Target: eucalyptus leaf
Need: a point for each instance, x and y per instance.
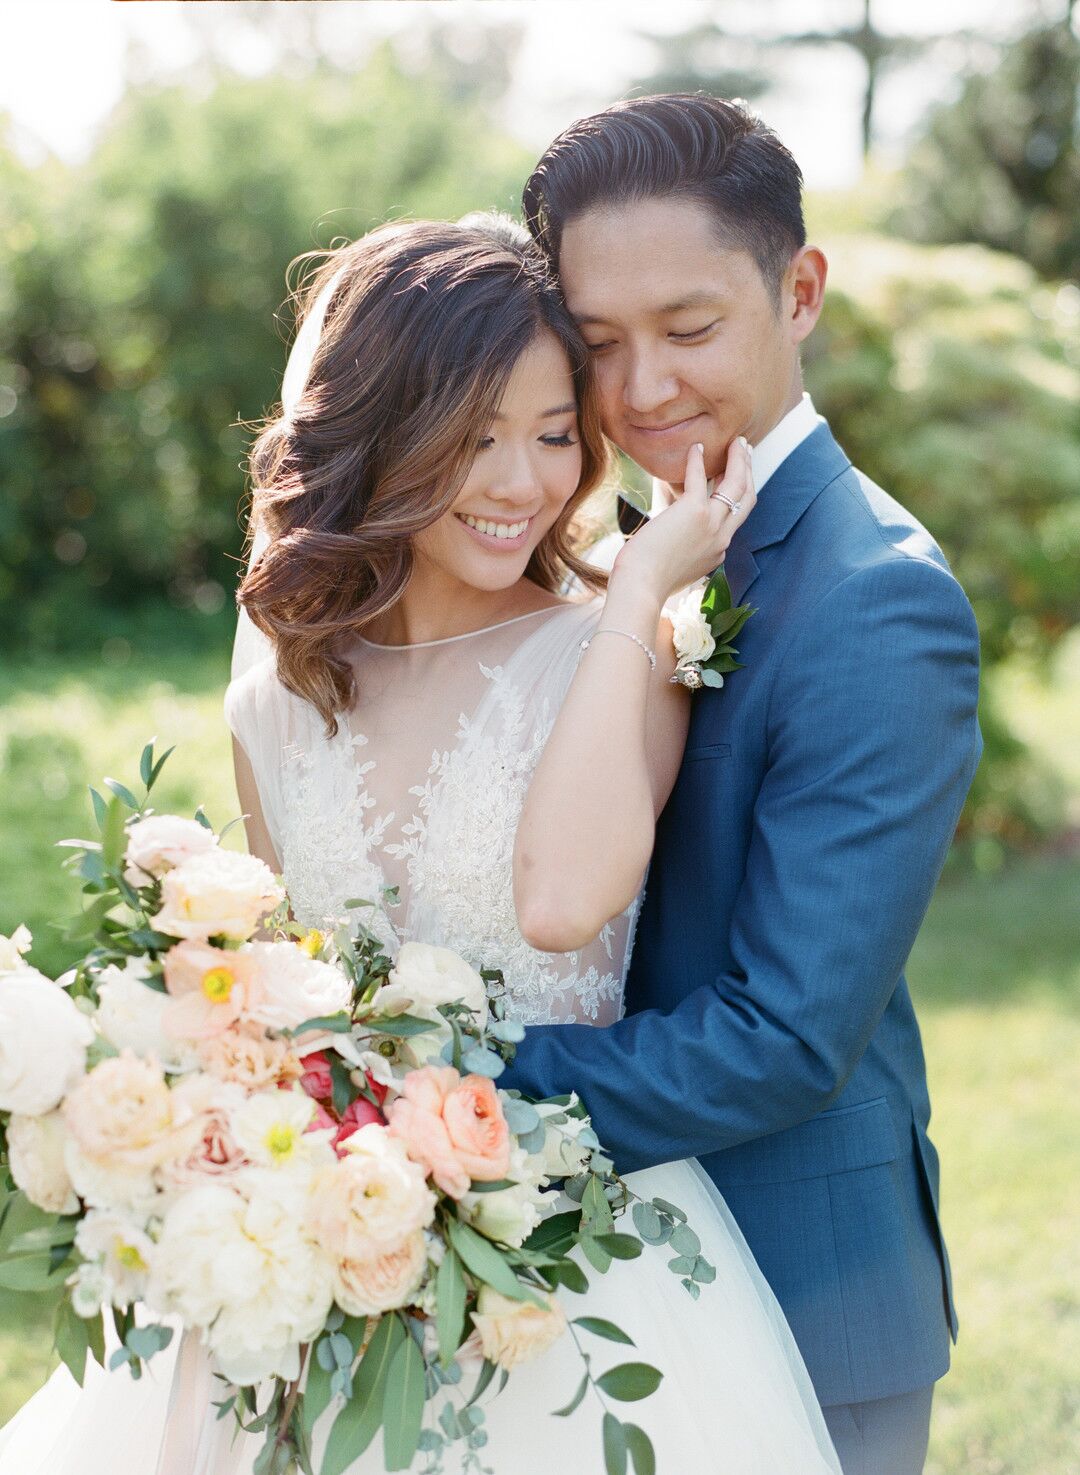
(484, 1261)
(668, 1208)
(620, 1246)
(685, 1241)
(71, 1337)
(358, 1422)
(693, 1288)
(647, 1222)
(335, 1024)
(487, 1372)
(630, 1381)
(404, 1026)
(478, 1060)
(403, 1405)
(711, 678)
(317, 1393)
(569, 1273)
(595, 1253)
(449, 1305)
(555, 1234)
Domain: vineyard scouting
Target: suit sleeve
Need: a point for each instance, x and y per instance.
(873, 742)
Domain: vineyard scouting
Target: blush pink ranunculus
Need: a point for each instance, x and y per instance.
(453, 1125)
(316, 1080)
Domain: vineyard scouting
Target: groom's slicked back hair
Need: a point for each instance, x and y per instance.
(688, 145)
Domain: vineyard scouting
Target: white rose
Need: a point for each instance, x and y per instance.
(219, 892)
(516, 1331)
(130, 1015)
(13, 947)
(562, 1154)
(422, 978)
(510, 1214)
(43, 1042)
(690, 629)
(246, 1267)
(158, 842)
(36, 1155)
(295, 987)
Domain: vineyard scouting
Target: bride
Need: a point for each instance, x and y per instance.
(422, 719)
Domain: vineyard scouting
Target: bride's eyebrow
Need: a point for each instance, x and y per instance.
(547, 414)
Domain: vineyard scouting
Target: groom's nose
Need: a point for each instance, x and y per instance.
(648, 382)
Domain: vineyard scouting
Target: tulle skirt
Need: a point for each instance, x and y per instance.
(735, 1394)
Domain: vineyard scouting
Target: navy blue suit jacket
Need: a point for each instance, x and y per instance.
(769, 1031)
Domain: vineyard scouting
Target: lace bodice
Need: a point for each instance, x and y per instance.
(421, 789)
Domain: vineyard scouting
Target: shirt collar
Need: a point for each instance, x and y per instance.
(786, 436)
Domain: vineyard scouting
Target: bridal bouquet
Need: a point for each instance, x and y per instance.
(295, 1149)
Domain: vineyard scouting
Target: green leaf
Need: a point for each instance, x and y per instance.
(685, 1241)
(496, 1187)
(596, 1209)
(450, 1306)
(316, 1395)
(146, 763)
(96, 1332)
(582, 1389)
(402, 1025)
(620, 1246)
(31, 1273)
(113, 837)
(668, 1208)
(71, 1338)
(569, 1273)
(145, 1341)
(629, 1381)
(335, 1024)
(641, 1451)
(711, 678)
(717, 595)
(647, 1222)
(683, 1264)
(614, 1446)
(158, 766)
(704, 1272)
(358, 1422)
(595, 1253)
(403, 1405)
(602, 1328)
(123, 793)
(484, 1261)
(555, 1235)
(100, 807)
(487, 1372)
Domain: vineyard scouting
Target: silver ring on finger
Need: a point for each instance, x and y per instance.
(735, 506)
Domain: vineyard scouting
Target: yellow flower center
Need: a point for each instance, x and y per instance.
(280, 1141)
(311, 942)
(128, 1255)
(217, 984)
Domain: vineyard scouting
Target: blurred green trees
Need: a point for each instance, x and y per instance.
(137, 335)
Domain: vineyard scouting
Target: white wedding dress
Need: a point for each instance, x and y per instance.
(421, 789)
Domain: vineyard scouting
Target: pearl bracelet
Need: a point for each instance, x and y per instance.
(636, 639)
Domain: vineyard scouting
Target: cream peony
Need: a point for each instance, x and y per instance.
(249, 1058)
(13, 947)
(131, 1015)
(370, 1200)
(122, 1250)
(158, 842)
(36, 1156)
(246, 1269)
(43, 1042)
(512, 1332)
(217, 893)
(690, 629)
(294, 987)
(510, 1214)
(388, 1280)
(121, 1115)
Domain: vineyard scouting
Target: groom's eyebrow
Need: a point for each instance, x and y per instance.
(689, 299)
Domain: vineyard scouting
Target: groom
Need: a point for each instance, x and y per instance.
(769, 1029)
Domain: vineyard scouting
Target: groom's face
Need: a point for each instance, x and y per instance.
(687, 341)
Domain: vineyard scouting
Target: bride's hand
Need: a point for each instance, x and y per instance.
(689, 539)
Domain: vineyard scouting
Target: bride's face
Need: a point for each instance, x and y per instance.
(527, 467)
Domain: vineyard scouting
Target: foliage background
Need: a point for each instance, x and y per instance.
(140, 333)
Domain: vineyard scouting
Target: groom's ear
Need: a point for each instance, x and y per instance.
(804, 290)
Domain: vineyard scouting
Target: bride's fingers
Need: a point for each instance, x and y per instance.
(695, 485)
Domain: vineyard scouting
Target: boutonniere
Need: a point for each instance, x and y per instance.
(704, 627)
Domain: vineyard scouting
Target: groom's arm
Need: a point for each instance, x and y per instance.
(873, 742)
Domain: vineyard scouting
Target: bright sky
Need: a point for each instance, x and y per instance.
(62, 66)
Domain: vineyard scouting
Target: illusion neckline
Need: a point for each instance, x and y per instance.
(468, 634)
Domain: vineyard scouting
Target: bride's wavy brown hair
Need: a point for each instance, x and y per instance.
(422, 333)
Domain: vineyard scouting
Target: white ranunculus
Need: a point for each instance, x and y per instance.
(217, 893)
(296, 987)
(563, 1157)
(158, 842)
(690, 629)
(510, 1214)
(123, 1250)
(130, 1015)
(13, 947)
(36, 1155)
(43, 1042)
(244, 1270)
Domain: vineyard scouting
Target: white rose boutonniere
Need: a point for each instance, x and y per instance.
(704, 625)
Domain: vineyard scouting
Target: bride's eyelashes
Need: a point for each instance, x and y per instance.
(556, 441)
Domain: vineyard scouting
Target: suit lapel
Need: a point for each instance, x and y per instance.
(784, 498)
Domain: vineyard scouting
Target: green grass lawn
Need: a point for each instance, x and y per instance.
(996, 976)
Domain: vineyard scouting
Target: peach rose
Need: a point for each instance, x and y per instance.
(121, 1115)
(210, 989)
(368, 1287)
(516, 1331)
(453, 1125)
(158, 842)
(249, 1058)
